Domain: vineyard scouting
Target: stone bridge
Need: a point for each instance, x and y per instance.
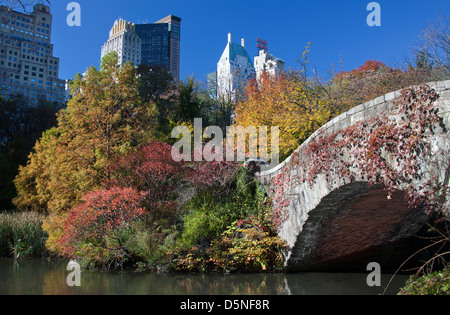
(334, 224)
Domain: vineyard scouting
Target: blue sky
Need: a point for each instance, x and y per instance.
(336, 29)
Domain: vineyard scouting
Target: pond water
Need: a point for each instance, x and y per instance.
(36, 277)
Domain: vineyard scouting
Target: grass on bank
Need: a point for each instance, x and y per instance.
(21, 235)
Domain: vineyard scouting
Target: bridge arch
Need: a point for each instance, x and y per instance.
(332, 221)
(354, 225)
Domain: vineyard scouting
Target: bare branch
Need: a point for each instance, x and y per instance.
(24, 5)
(434, 44)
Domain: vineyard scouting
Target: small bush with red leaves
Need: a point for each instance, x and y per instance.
(98, 232)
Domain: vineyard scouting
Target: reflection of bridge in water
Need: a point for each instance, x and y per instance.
(335, 224)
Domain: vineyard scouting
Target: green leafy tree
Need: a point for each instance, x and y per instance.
(189, 105)
(156, 86)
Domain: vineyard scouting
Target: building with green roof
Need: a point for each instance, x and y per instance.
(234, 70)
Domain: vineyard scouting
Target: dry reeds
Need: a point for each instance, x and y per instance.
(21, 235)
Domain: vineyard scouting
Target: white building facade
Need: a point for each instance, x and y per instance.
(123, 40)
(234, 70)
(266, 62)
(27, 63)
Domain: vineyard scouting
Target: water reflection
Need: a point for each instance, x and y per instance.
(43, 278)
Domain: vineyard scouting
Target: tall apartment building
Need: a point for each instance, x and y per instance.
(234, 70)
(123, 40)
(268, 63)
(27, 64)
(159, 43)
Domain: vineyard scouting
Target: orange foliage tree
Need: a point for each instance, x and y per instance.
(372, 79)
(104, 119)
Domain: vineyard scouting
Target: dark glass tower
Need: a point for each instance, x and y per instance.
(161, 44)
(155, 44)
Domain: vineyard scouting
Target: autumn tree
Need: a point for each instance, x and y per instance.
(156, 86)
(373, 79)
(153, 170)
(38, 181)
(104, 118)
(221, 111)
(433, 46)
(297, 106)
(175, 102)
(99, 231)
(189, 105)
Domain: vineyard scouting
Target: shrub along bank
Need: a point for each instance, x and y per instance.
(219, 229)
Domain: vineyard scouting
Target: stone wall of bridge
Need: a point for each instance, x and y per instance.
(332, 223)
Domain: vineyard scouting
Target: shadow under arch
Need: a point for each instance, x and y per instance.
(357, 224)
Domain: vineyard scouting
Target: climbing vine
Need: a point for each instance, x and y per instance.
(390, 150)
(279, 190)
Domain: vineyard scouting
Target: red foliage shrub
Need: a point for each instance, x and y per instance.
(215, 173)
(370, 65)
(94, 230)
(150, 169)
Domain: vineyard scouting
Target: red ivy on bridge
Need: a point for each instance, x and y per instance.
(388, 150)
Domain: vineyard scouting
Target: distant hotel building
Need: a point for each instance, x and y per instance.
(266, 62)
(123, 40)
(152, 44)
(27, 64)
(234, 70)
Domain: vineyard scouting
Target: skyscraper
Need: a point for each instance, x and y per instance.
(234, 70)
(155, 44)
(151, 44)
(123, 40)
(27, 64)
(161, 43)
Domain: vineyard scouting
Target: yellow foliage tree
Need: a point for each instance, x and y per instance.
(288, 101)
